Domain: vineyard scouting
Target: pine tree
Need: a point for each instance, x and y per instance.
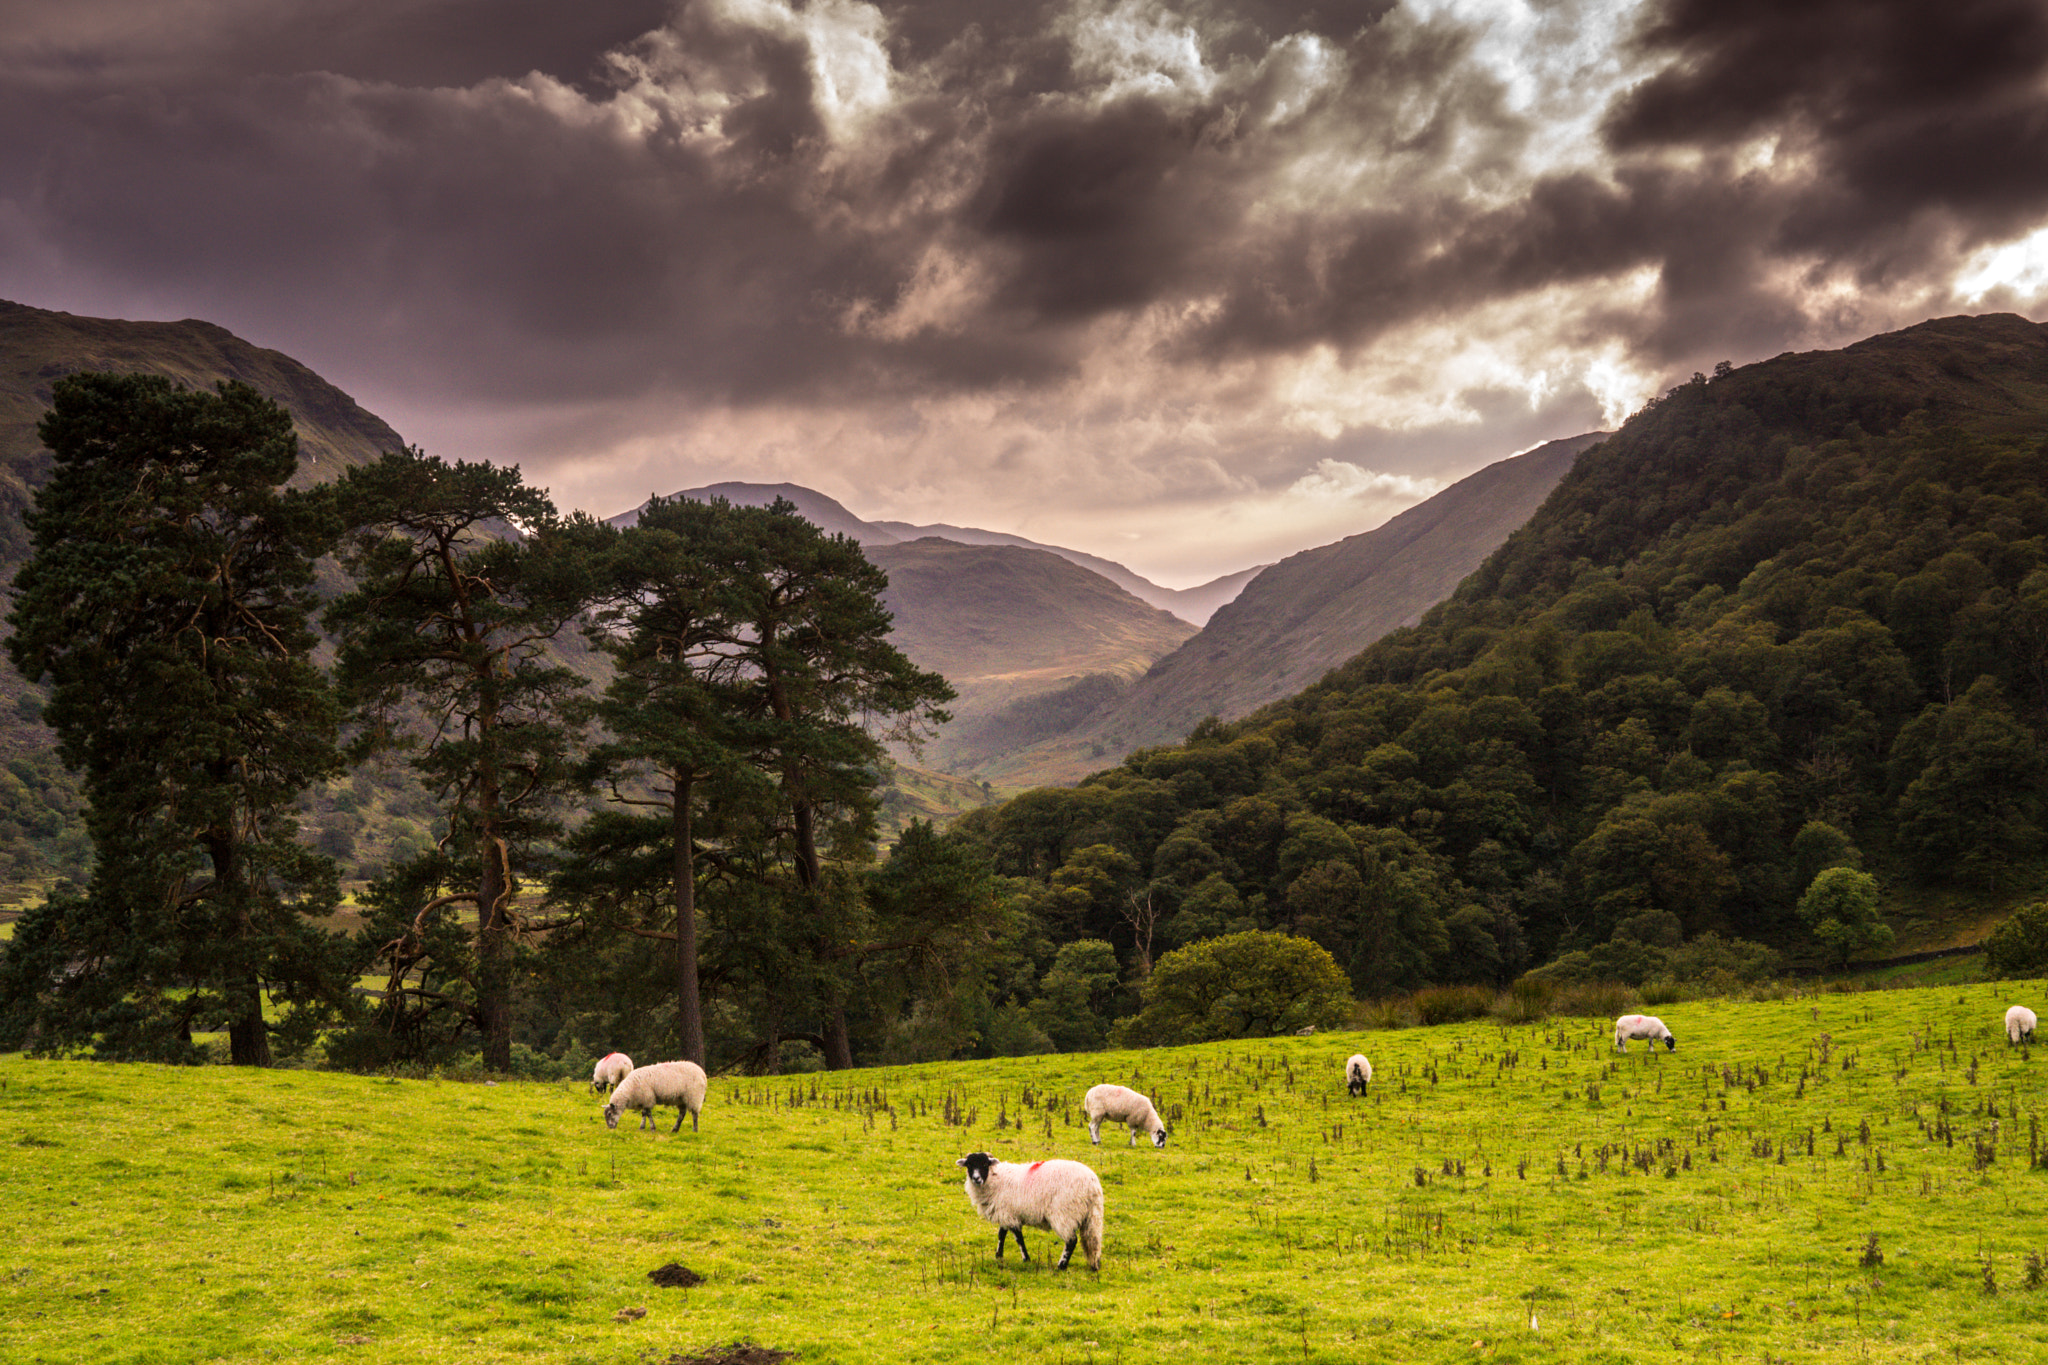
(167, 605)
(465, 579)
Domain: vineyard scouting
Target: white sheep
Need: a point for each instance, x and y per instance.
(1631, 1026)
(678, 1083)
(2019, 1024)
(1063, 1197)
(1124, 1106)
(611, 1068)
(1357, 1074)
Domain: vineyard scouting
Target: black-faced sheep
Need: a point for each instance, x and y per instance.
(681, 1084)
(1122, 1105)
(2019, 1024)
(1631, 1026)
(611, 1068)
(1062, 1197)
(1357, 1074)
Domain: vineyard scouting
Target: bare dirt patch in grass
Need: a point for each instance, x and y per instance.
(739, 1353)
(675, 1275)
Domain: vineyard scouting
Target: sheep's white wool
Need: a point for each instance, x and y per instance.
(1357, 1074)
(1062, 1197)
(1122, 1105)
(611, 1068)
(681, 1084)
(1631, 1026)
(2019, 1023)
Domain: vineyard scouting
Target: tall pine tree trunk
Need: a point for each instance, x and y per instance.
(494, 956)
(248, 1038)
(689, 1002)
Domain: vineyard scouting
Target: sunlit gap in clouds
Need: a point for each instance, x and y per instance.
(2017, 271)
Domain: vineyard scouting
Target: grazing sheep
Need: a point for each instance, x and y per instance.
(1063, 1197)
(678, 1083)
(2019, 1024)
(611, 1068)
(1357, 1074)
(1125, 1106)
(1642, 1026)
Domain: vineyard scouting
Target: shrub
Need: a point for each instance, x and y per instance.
(1451, 1004)
(1600, 999)
(1247, 985)
(1662, 991)
(2019, 945)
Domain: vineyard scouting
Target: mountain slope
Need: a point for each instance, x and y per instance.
(1310, 612)
(1786, 630)
(1192, 605)
(38, 347)
(1004, 623)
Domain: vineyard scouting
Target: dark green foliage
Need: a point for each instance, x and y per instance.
(1249, 985)
(165, 608)
(1841, 910)
(2019, 945)
(454, 619)
(1792, 619)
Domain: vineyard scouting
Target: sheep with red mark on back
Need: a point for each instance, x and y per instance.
(1062, 1197)
(1633, 1026)
(611, 1068)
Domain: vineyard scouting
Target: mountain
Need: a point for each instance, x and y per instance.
(1300, 618)
(1193, 605)
(1006, 624)
(1768, 661)
(38, 347)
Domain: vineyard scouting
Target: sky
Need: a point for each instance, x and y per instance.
(1189, 284)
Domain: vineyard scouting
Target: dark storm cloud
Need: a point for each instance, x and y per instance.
(1904, 110)
(1198, 247)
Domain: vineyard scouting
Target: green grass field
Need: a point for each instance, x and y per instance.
(1505, 1194)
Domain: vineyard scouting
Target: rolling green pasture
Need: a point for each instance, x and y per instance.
(1516, 1193)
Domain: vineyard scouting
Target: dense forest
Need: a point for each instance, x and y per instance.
(1791, 618)
(1768, 661)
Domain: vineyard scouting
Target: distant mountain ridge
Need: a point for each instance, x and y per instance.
(1309, 613)
(1193, 605)
(1009, 626)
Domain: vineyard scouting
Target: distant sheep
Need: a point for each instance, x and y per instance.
(1631, 1026)
(611, 1068)
(681, 1084)
(1357, 1074)
(2019, 1024)
(1063, 1197)
(1122, 1105)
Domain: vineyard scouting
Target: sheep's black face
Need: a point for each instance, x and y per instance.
(1670, 1043)
(978, 1165)
(1159, 1137)
(611, 1116)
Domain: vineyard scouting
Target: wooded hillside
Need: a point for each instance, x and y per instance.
(1791, 617)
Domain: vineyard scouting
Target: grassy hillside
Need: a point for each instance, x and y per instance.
(1817, 1179)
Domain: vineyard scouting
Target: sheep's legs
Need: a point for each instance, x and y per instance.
(1018, 1233)
(1068, 1254)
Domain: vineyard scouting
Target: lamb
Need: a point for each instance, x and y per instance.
(611, 1068)
(681, 1084)
(1063, 1197)
(1357, 1074)
(1642, 1026)
(1125, 1106)
(2019, 1024)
